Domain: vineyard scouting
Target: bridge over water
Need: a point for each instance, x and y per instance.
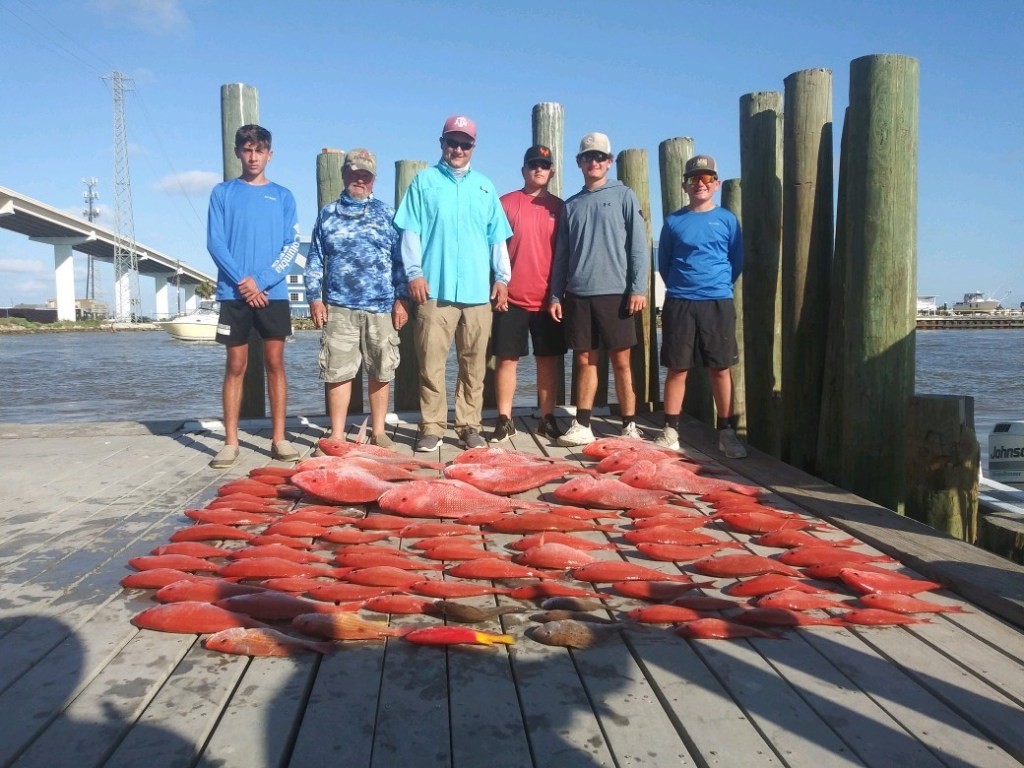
(67, 232)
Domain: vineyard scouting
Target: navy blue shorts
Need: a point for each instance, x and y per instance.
(706, 327)
(511, 330)
(238, 321)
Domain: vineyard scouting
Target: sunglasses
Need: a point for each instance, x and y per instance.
(465, 146)
(707, 179)
(594, 157)
(539, 165)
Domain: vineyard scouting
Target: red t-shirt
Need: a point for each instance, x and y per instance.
(534, 223)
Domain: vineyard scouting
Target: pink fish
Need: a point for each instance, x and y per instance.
(419, 530)
(780, 617)
(719, 629)
(177, 562)
(557, 537)
(742, 565)
(767, 583)
(277, 606)
(606, 446)
(606, 493)
(676, 553)
(343, 485)
(193, 618)
(261, 642)
(506, 480)
(905, 604)
(554, 556)
(623, 459)
(603, 571)
(447, 499)
(815, 555)
(206, 591)
(798, 600)
(864, 582)
(501, 456)
(672, 476)
(495, 568)
(876, 617)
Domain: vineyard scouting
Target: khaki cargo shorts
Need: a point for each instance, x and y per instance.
(354, 336)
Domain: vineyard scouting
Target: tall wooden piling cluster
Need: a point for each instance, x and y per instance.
(240, 105)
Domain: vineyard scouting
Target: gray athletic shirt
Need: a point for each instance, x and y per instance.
(601, 248)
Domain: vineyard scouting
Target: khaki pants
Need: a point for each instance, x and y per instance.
(436, 325)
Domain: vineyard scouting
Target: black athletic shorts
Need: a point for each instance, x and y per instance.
(238, 321)
(511, 330)
(598, 322)
(707, 327)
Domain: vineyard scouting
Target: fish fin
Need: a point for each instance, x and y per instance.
(361, 434)
(489, 639)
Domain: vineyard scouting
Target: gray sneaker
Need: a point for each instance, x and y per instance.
(669, 438)
(632, 431)
(382, 440)
(470, 438)
(427, 443)
(577, 434)
(730, 445)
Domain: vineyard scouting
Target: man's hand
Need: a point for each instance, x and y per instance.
(418, 289)
(637, 302)
(499, 297)
(399, 315)
(555, 310)
(249, 290)
(318, 313)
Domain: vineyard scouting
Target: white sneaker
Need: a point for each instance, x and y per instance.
(669, 438)
(730, 445)
(577, 434)
(631, 431)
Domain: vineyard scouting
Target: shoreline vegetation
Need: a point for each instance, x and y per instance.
(17, 325)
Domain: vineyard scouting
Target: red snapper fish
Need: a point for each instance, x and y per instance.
(663, 614)
(447, 499)
(659, 591)
(606, 446)
(554, 556)
(506, 480)
(345, 626)
(669, 534)
(272, 567)
(206, 591)
(720, 629)
(557, 537)
(456, 636)
(672, 476)
(496, 568)
(250, 487)
(733, 566)
(275, 606)
(905, 604)
(749, 521)
(262, 642)
(623, 459)
(191, 548)
(282, 472)
(780, 617)
(680, 522)
(876, 617)
(177, 562)
(456, 550)
(398, 604)
(534, 522)
(797, 600)
(159, 577)
(676, 553)
(788, 539)
(343, 485)
(279, 550)
(865, 581)
(502, 456)
(607, 571)
(767, 583)
(427, 529)
(455, 589)
(193, 618)
(393, 459)
(606, 493)
(210, 532)
(228, 516)
(352, 536)
(816, 555)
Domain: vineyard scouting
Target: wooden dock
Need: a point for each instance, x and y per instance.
(80, 685)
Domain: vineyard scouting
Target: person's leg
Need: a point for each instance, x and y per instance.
(339, 394)
(471, 336)
(505, 384)
(547, 383)
(277, 386)
(231, 393)
(586, 378)
(721, 391)
(378, 395)
(675, 392)
(619, 359)
(435, 328)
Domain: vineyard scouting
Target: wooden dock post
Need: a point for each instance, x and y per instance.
(633, 172)
(806, 258)
(548, 120)
(732, 200)
(672, 157)
(240, 105)
(406, 391)
(761, 162)
(881, 274)
(329, 186)
(942, 464)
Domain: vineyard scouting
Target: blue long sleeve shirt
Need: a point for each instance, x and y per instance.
(354, 258)
(252, 230)
(700, 254)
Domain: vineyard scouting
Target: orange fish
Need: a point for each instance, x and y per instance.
(548, 589)
(381, 523)
(456, 636)
(192, 618)
(661, 591)
(781, 617)
(507, 479)
(276, 606)
(316, 516)
(670, 534)
(348, 484)
(248, 487)
(905, 604)
(558, 537)
(452, 589)
(581, 513)
(192, 549)
(398, 604)
(437, 541)
(683, 523)
(449, 550)
(228, 516)
(446, 498)
(244, 503)
(742, 565)
(351, 536)
(606, 493)
(534, 522)
(159, 577)
(677, 553)
(864, 581)
(278, 550)
(554, 556)
(283, 472)
(830, 571)
(663, 614)
(342, 592)
(424, 529)
(876, 617)
(272, 567)
(210, 532)
(768, 583)
(205, 591)
(370, 560)
(177, 562)
(261, 642)
(816, 555)
(279, 538)
(759, 522)
(601, 571)
(496, 568)
(720, 629)
(797, 600)
(673, 477)
(296, 529)
(345, 626)
(789, 539)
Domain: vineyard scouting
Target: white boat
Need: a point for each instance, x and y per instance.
(198, 325)
(976, 301)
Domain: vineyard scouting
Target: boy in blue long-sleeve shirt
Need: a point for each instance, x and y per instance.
(253, 237)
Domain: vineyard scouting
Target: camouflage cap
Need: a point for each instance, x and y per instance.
(700, 164)
(361, 160)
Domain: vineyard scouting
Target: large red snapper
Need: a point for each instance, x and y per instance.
(501, 456)
(606, 446)
(606, 493)
(533, 522)
(819, 555)
(177, 562)
(865, 581)
(347, 484)
(496, 568)
(558, 537)
(275, 606)
(192, 618)
(554, 556)
(733, 566)
(672, 476)
(446, 498)
(206, 591)
(345, 626)
(601, 571)
(905, 604)
(505, 480)
(261, 642)
(228, 516)
(210, 532)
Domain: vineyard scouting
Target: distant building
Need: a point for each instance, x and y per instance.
(296, 281)
(927, 305)
(85, 309)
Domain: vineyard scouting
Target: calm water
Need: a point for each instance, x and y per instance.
(55, 377)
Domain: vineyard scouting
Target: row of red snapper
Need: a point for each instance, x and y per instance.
(296, 561)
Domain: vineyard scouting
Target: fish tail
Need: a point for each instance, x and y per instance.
(488, 639)
(402, 631)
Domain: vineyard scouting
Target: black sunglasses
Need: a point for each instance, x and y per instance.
(465, 146)
(542, 164)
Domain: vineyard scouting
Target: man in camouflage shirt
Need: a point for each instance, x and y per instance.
(356, 287)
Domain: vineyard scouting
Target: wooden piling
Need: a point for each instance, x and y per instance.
(406, 389)
(942, 464)
(239, 105)
(633, 172)
(881, 274)
(806, 258)
(761, 161)
(329, 186)
(732, 200)
(548, 119)
(672, 157)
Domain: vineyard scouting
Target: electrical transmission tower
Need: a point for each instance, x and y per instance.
(90, 196)
(127, 305)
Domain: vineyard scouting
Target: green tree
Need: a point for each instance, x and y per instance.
(205, 290)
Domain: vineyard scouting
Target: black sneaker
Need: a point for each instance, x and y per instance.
(503, 430)
(548, 427)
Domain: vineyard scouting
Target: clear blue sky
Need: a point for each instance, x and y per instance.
(385, 74)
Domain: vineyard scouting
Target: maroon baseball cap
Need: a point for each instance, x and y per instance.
(459, 124)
